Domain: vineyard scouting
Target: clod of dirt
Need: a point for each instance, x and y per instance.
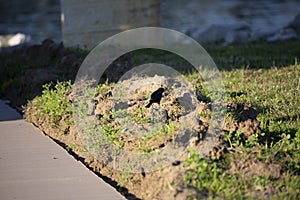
(243, 120)
(158, 114)
(249, 127)
(250, 166)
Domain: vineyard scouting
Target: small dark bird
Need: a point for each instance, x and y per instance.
(155, 97)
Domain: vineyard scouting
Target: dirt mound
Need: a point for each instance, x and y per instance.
(178, 106)
(131, 133)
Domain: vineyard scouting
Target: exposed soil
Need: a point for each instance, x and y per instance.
(166, 183)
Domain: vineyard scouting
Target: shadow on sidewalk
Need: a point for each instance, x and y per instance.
(7, 113)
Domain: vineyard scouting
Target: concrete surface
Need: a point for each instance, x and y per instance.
(32, 166)
(86, 23)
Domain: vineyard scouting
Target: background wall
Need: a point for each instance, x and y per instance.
(229, 21)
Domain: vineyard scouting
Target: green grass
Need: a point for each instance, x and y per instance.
(255, 56)
(275, 93)
(53, 106)
(213, 180)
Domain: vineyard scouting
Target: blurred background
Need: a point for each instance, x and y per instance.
(207, 21)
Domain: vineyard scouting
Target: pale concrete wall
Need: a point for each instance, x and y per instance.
(85, 23)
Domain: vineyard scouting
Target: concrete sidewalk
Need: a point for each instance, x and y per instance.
(32, 166)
